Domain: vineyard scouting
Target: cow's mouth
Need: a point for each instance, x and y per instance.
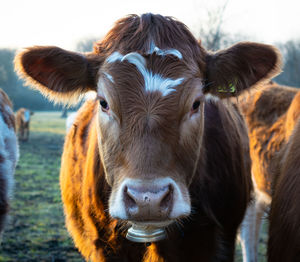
(147, 232)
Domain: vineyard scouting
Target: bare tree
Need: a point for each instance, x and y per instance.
(211, 32)
(86, 45)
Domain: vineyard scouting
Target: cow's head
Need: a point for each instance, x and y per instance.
(152, 79)
(26, 115)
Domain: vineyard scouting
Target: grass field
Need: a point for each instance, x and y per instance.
(36, 230)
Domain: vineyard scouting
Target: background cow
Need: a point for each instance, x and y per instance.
(284, 229)
(272, 112)
(158, 147)
(23, 123)
(8, 155)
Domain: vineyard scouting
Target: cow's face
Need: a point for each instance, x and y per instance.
(151, 106)
(26, 115)
(150, 131)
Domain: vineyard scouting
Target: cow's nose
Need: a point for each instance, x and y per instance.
(144, 203)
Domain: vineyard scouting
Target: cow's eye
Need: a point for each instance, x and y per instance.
(104, 104)
(196, 105)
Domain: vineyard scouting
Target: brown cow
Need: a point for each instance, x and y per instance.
(272, 112)
(159, 148)
(284, 229)
(8, 155)
(23, 123)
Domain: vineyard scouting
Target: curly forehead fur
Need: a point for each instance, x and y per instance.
(137, 33)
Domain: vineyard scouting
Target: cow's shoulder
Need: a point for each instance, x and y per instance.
(266, 104)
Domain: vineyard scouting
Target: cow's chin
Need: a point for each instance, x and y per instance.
(151, 224)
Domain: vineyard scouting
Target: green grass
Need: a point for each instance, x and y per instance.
(36, 229)
(262, 248)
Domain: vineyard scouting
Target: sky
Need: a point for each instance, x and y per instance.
(63, 23)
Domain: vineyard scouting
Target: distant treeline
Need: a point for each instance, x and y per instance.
(291, 59)
(22, 96)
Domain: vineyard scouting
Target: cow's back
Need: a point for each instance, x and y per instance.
(8, 154)
(284, 229)
(265, 111)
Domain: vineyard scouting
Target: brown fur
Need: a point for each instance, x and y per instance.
(284, 232)
(8, 155)
(23, 126)
(272, 113)
(144, 135)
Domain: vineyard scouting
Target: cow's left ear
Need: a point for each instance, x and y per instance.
(231, 71)
(59, 74)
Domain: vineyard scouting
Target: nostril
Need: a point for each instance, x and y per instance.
(167, 199)
(129, 199)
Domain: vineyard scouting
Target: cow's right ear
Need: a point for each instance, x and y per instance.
(60, 75)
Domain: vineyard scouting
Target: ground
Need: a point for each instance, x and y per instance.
(36, 230)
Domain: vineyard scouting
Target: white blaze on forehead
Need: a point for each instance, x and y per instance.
(158, 51)
(110, 78)
(115, 56)
(153, 82)
(164, 85)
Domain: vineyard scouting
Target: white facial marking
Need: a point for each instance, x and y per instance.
(26, 116)
(158, 51)
(110, 78)
(181, 207)
(153, 82)
(115, 56)
(116, 203)
(138, 60)
(173, 52)
(157, 83)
